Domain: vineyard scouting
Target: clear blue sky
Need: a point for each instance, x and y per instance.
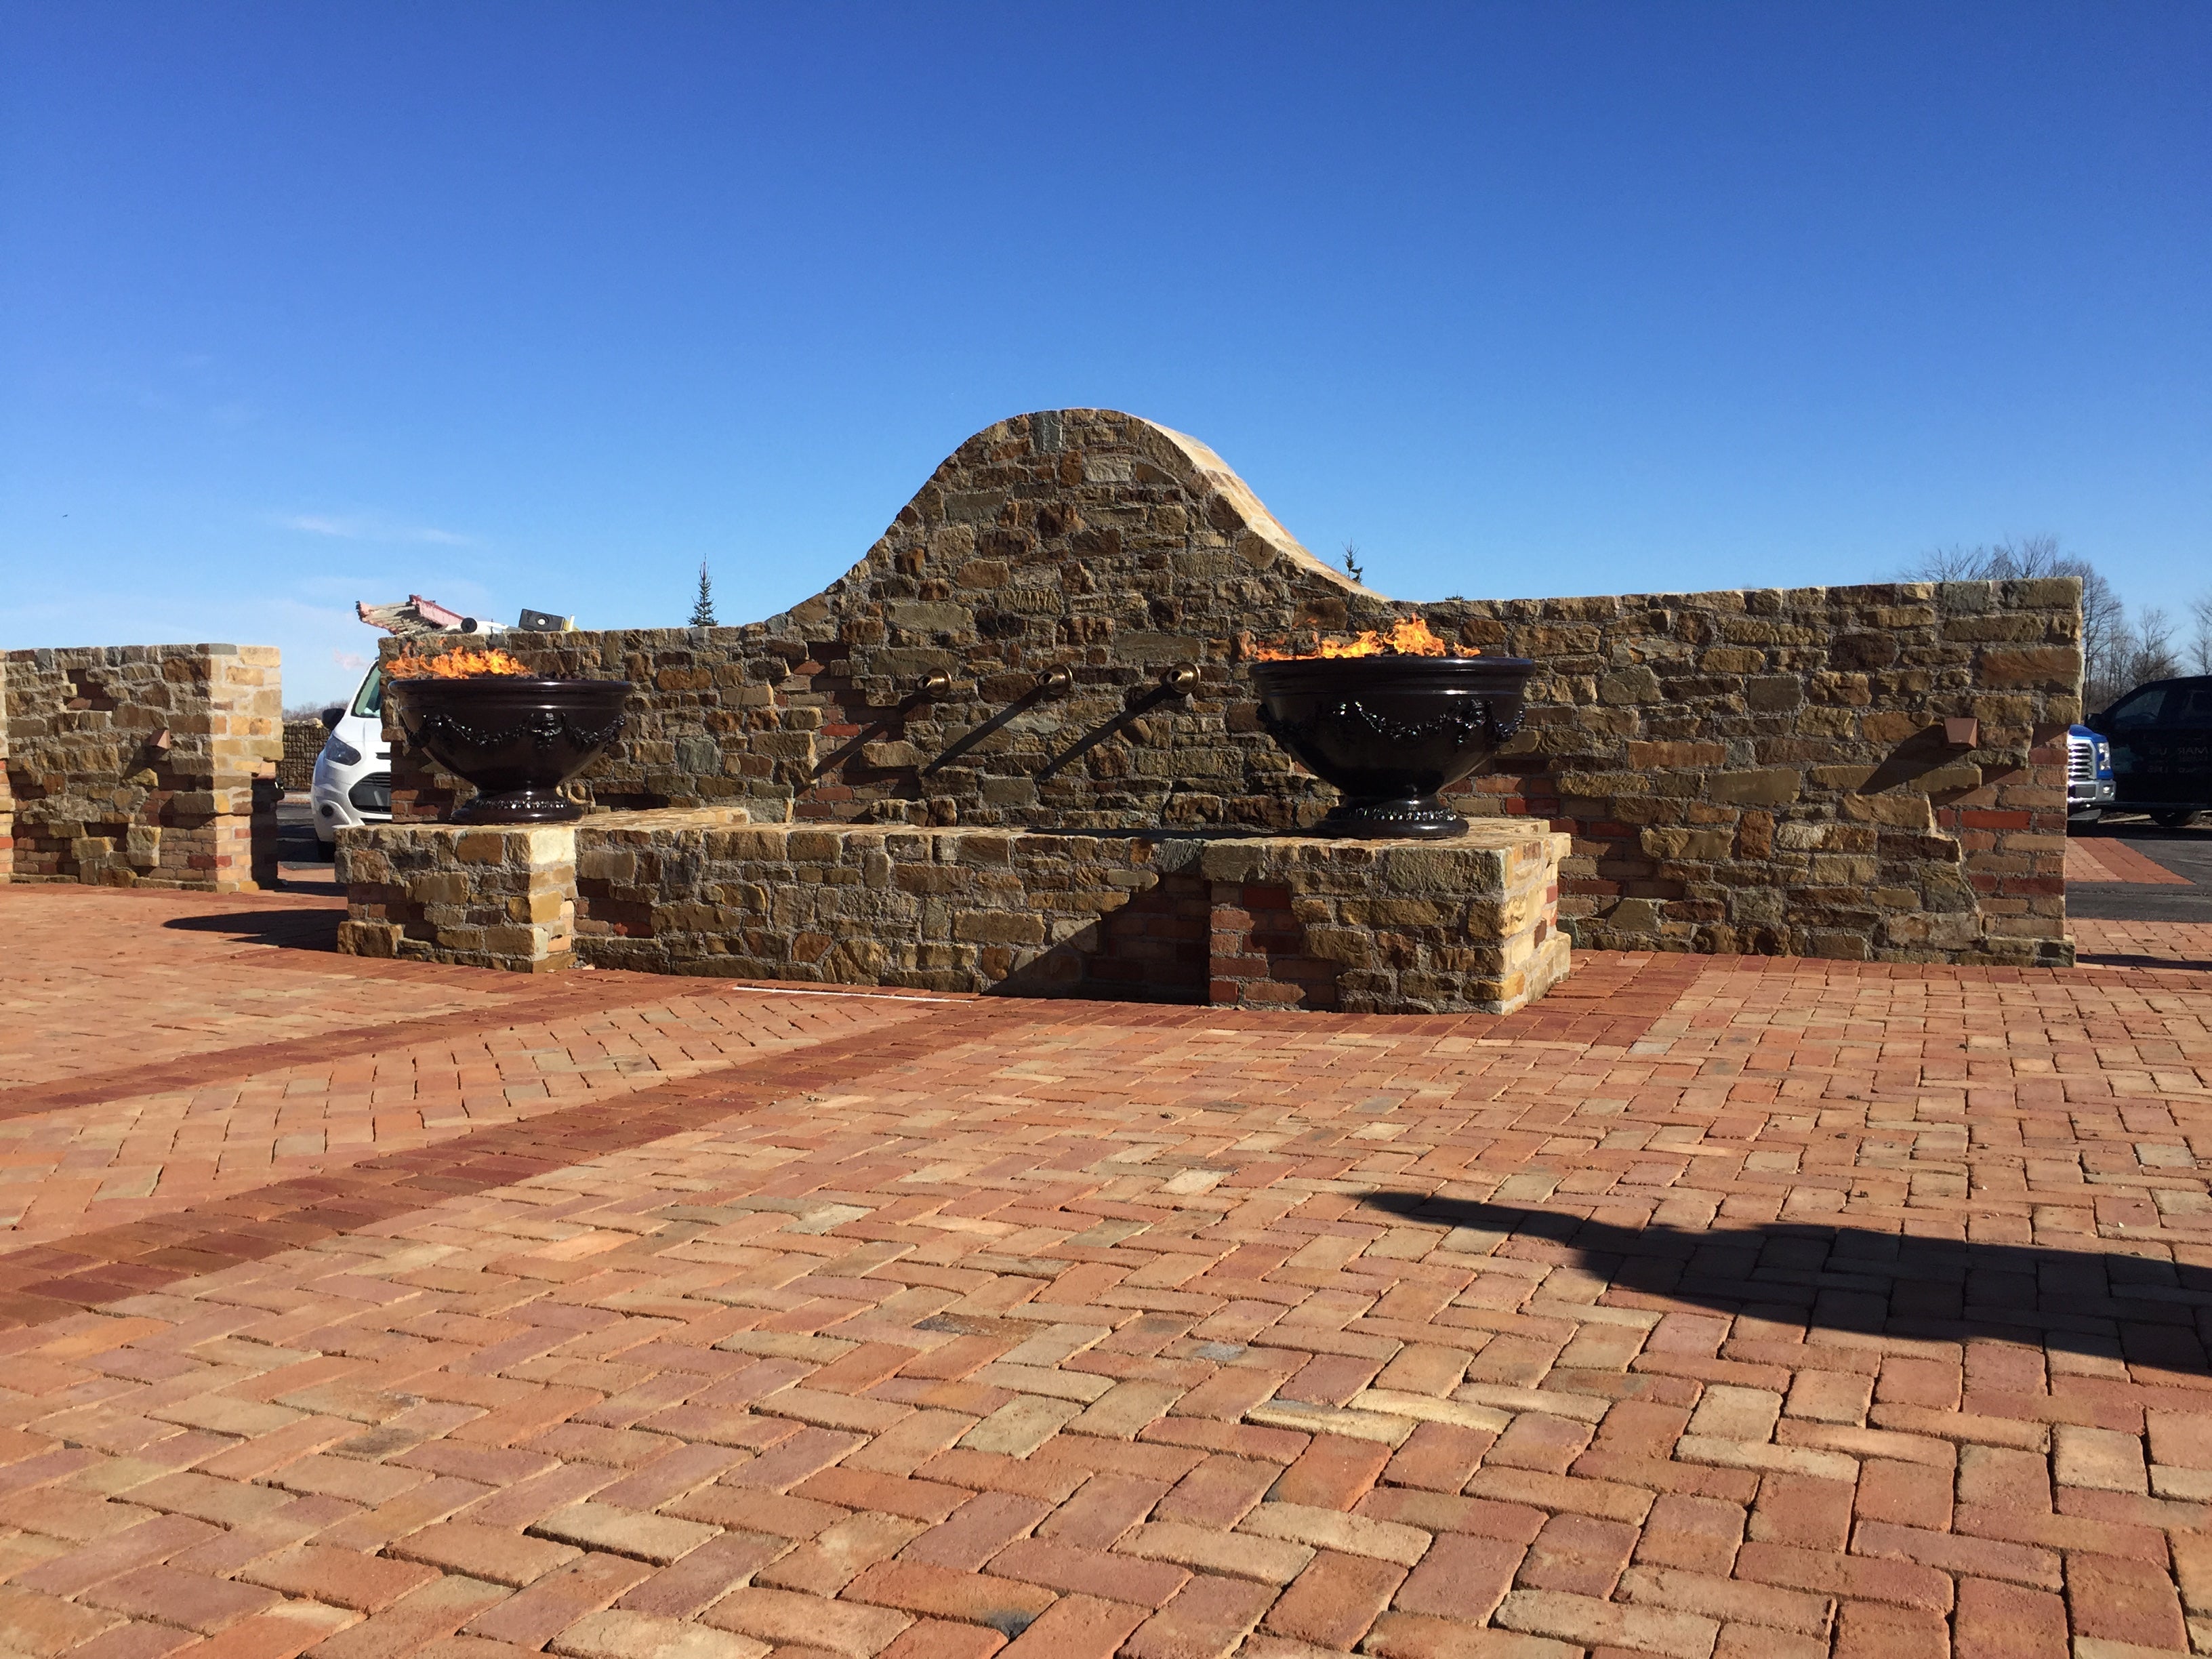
(542, 304)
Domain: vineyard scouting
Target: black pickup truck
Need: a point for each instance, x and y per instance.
(2162, 738)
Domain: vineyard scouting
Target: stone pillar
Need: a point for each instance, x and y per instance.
(245, 741)
(481, 896)
(7, 797)
(145, 765)
(1388, 926)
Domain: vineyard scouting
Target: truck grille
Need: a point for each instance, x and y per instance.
(2081, 761)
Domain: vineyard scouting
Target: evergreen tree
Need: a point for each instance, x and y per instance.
(702, 608)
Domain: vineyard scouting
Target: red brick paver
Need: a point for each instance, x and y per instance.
(1707, 1308)
(2104, 859)
(2143, 944)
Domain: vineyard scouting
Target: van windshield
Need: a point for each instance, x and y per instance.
(369, 699)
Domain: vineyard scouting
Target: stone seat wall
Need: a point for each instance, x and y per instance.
(1259, 920)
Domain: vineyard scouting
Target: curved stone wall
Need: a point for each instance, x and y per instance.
(1761, 770)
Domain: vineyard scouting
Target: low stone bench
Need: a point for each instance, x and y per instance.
(1380, 926)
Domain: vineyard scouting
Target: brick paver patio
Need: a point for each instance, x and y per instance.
(1754, 1308)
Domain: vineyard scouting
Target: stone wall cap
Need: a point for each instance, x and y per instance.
(45, 654)
(1484, 836)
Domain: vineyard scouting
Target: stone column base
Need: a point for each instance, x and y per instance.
(478, 896)
(1388, 926)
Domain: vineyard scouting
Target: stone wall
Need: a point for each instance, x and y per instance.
(1764, 770)
(6, 790)
(1771, 772)
(1080, 538)
(1262, 920)
(144, 764)
(303, 742)
(502, 897)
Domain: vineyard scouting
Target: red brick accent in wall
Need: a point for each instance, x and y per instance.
(1153, 949)
(1259, 958)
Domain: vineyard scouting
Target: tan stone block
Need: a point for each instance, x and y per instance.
(1891, 725)
(1942, 779)
(508, 940)
(2057, 667)
(1650, 754)
(552, 844)
(1667, 843)
(1635, 916)
(1549, 642)
(545, 907)
(1732, 659)
(1838, 869)
(1601, 786)
(1354, 946)
(1518, 913)
(2059, 593)
(1406, 912)
(1445, 869)
(1899, 809)
(1775, 785)
(487, 846)
(369, 939)
(1635, 684)
(1841, 777)
(997, 928)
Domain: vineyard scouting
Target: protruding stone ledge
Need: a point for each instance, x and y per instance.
(1282, 921)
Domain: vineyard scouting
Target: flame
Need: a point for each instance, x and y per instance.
(455, 665)
(1410, 638)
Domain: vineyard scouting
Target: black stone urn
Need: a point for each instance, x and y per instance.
(517, 740)
(1392, 731)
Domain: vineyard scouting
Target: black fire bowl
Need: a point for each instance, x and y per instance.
(517, 740)
(1392, 732)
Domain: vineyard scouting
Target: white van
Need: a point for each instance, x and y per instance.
(353, 775)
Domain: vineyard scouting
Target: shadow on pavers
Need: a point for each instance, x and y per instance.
(2142, 1310)
(293, 930)
(2128, 959)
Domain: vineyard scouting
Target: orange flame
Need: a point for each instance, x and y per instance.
(1410, 638)
(455, 665)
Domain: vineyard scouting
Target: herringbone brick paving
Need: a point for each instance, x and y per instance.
(1703, 1309)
